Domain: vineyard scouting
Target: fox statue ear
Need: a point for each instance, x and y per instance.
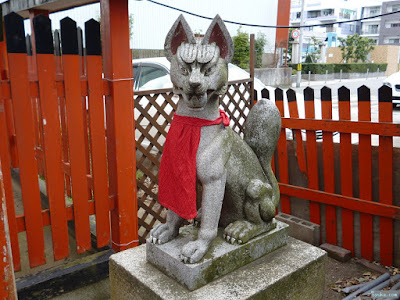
(217, 33)
(179, 32)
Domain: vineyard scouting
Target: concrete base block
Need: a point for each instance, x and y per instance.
(294, 271)
(301, 229)
(222, 257)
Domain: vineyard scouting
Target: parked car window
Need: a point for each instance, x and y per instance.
(149, 73)
(135, 75)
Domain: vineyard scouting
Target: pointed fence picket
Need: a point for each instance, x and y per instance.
(345, 198)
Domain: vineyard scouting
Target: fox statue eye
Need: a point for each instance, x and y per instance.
(184, 71)
(209, 71)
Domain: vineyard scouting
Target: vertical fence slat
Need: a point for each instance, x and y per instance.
(97, 132)
(386, 176)
(346, 170)
(7, 102)
(76, 129)
(120, 123)
(8, 108)
(283, 165)
(51, 134)
(7, 281)
(35, 102)
(25, 137)
(365, 173)
(9, 196)
(329, 166)
(84, 105)
(62, 108)
(312, 155)
(294, 113)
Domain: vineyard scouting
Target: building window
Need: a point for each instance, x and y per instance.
(346, 13)
(392, 40)
(393, 8)
(373, 11)
(371, 29)
(392, 25)
(329, 28)
(327, 12)
(314, 14)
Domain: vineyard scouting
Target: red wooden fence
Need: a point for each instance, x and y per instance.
(52, 123)
(325, 192)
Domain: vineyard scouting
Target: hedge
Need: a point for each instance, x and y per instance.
(335, 68)
(315, 68)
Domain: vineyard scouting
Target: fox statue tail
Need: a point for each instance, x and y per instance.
(261, 133)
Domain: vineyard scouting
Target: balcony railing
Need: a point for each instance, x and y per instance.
(371, 31)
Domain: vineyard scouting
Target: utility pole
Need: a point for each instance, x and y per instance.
(298, 78)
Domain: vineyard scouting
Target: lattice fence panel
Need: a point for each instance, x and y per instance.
(153, 114)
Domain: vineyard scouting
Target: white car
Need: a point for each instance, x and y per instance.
(393, 81)
(153, 73)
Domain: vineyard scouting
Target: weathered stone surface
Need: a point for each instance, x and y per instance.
(301, 229)
(295, 271)
(238, 191)
(222, 257)
(336, 252)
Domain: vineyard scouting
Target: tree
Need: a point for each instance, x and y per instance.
(313, 56)
(356, 48)
(241, 41)
(241, 56)
(260, 43)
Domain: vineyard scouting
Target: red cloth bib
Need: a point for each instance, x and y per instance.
(177, 175)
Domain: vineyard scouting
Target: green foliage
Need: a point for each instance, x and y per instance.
(314, 68)
(291, 40)
(260, 43)
(335, 68)
(360, 67)
(355, 48)
(241, 41)
(241, 57)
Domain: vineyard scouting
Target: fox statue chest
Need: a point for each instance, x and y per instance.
(213, 153)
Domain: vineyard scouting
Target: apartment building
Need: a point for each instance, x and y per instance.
(324, 13)
(389, 33)
(385, 30)
(370, 27)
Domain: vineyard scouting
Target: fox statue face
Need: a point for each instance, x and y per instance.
(199, 67)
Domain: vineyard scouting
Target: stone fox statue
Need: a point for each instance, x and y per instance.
(239, 191)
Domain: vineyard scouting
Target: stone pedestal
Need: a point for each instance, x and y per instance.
(221, 259)
(294, 271)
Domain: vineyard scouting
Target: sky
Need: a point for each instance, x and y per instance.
(152, 22)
